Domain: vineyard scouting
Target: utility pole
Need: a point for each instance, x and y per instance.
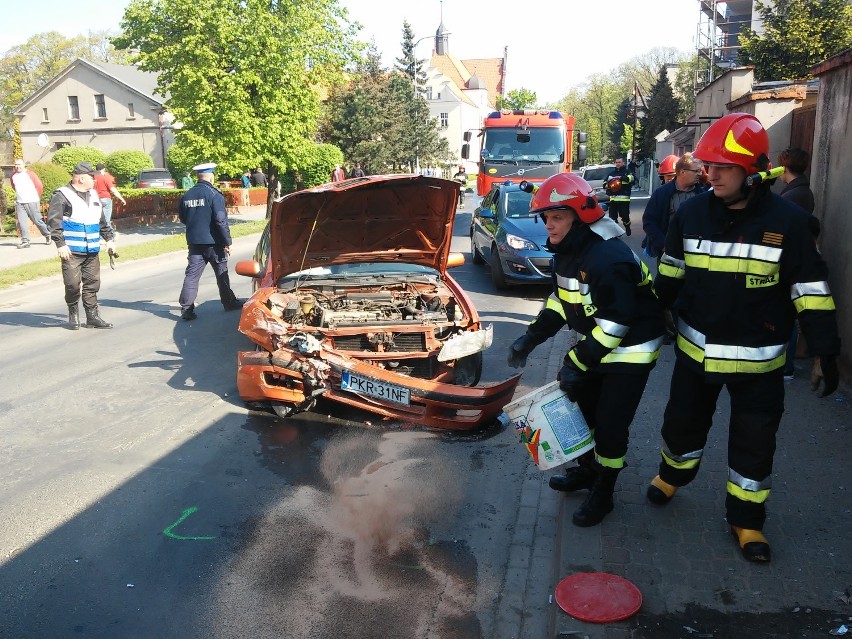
(635, 117)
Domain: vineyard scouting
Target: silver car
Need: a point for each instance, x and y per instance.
(596, 175)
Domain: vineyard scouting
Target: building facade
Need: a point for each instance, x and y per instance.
(108, 106)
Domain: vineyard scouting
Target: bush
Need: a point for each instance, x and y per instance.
(68, 156)
(316, 164)
(52, 176)
(125, 165)
(10, 198)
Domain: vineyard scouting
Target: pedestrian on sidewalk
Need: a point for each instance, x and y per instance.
(601, 290)
(77, 224)
(258, 178)
(202, 210)
(739, 265)
(105, 186)
(337, 175)
(619, 185)
(28, 189)
(797, 190)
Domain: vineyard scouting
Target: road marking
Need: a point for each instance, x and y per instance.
(167, 531)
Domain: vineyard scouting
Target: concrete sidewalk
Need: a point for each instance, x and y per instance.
(11, 256)
(681, 556)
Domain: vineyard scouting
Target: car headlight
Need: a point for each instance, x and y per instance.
(519, 243)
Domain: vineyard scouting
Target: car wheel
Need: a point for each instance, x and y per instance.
(475, 255)
(468, 370)
(497, 275)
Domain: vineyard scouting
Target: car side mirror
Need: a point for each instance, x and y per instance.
(249, 268)
(485, 212)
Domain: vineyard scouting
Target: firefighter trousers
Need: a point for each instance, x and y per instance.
(608, 402)
(757, 403)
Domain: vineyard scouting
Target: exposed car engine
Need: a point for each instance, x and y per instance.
(336, 308)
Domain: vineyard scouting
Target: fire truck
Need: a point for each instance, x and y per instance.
(526, 145)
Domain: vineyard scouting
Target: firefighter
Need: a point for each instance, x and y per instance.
(601, 290)
(618, 186)
(739, 265)
(666, 169)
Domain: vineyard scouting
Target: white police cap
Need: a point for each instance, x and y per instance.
(204, 168)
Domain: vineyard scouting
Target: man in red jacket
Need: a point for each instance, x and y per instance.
(28, 188)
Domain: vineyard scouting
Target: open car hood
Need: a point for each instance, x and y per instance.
(388, 218)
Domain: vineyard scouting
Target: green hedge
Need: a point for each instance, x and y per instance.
(68, 156)
(52, 176)
(125, 165)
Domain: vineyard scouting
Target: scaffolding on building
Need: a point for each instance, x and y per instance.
(717, 41)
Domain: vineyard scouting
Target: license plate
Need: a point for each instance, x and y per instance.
(374, 388)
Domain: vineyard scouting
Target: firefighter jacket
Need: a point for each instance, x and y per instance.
(738, 279)
(623, 194)
(602, 290)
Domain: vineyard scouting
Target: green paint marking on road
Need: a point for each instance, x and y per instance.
(167, 531)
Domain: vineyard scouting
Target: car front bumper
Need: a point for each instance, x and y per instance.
(287, 376)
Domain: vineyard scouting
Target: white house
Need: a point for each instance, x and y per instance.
(109, 106)
(461, 93)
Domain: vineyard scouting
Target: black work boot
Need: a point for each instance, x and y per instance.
(93, 320)
(599, 502)
(579, 477)
(74, 317)
(627, 228)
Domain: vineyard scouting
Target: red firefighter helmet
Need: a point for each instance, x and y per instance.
(567, 191)
(613, 185)
(737, 138)
(667, 166)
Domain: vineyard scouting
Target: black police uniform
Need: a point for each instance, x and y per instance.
(202, 210)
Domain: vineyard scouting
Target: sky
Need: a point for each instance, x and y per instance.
(552, 46)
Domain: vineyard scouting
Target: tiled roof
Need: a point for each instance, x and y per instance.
(489, 70)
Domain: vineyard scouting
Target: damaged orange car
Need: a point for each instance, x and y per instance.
(353, 303)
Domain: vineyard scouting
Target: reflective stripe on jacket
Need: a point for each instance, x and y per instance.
(82, 229)
(603, 292)
(738, 279)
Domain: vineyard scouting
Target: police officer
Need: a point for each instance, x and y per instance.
(602, 291)
(202, 210)
(739, 265)
(77, 224)
(618, 185)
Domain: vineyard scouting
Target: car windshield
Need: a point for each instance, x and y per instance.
(545, 145)
(362, 270)
(597, 173)
(517, 204)
(155, 175)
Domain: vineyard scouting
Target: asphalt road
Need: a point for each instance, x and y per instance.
(140, 498)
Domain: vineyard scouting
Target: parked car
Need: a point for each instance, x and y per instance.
(155, 179)
(596, 175)
(506, 236)
(353, 303)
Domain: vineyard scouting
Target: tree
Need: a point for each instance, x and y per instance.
(622, 118)
(517, 99)
(417, 137)
(26, 67)
(663, 110)
(242, 76)
(796, 35)
(359, 118)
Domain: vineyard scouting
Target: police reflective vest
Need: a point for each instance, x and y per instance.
(602, 290)
(82, 229)
(738, 279)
